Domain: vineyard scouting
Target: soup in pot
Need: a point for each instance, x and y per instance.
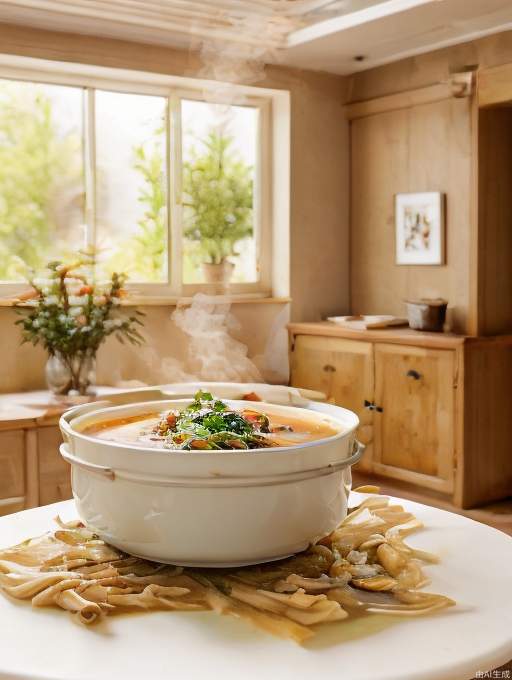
(210, 424)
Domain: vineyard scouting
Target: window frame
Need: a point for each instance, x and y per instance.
(175, 89)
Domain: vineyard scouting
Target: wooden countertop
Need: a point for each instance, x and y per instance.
(22, 410)
(401, 335)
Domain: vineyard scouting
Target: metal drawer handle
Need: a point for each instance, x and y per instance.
(328, 368)
(370, 406)
(413, 374)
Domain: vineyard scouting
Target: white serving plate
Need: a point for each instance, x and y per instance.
(46, 644)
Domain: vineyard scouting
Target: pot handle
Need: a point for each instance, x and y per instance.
(84, 465)
(271, 480)
(357, 453)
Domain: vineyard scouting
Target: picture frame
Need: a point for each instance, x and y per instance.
(420, 228)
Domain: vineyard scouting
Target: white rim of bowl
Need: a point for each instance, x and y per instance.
(136, 448)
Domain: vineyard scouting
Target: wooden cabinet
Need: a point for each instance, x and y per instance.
(54, 472)
(343, 370)
(414, 426)
(32, 472)
(12, 471)
(434, 408)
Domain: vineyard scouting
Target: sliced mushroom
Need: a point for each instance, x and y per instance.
(392, 561)
(356, 557)
(373, 541)
(377, 583)
(317, 585)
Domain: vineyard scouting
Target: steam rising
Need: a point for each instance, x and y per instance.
(258, 30)
(213, 354)
(228, 65)
(245, 35)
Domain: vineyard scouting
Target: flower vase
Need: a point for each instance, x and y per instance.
(71, 375)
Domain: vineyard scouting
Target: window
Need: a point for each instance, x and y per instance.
(219, 146)
(41, 175)
(131, 184)
(166, 185)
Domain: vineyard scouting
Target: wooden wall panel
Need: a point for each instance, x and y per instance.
(486, 460)
(426, 69)
(423, 148)
(495, 221)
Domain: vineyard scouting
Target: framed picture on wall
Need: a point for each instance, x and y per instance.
(419, 225)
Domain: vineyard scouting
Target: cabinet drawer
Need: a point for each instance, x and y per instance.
(414, 425)
(54, 472)
(12, 464)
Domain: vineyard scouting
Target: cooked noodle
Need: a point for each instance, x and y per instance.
(363, 566)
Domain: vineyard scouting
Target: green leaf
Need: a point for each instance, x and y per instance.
(203, 396)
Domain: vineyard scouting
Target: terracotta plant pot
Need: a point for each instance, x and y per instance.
(219, 273)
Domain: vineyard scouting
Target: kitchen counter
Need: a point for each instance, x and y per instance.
(39, 408)
(33, 472)
(402, 335)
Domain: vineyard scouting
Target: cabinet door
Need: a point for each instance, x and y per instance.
(343, 370)
(12, 471)
(54, 472)
(414, 420)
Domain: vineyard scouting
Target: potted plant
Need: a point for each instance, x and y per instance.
(71, 315)
(218, 202)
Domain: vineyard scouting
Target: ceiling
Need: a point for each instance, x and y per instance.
(339, 36)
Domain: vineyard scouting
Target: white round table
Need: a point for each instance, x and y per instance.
(455, 644)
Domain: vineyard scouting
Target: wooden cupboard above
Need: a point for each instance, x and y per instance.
(434, 408)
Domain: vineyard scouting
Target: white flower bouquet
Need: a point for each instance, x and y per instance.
(72, 314)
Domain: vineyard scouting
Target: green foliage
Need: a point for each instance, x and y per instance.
(143, 254)
(208, 423)
(37, 167)
(218, 198)
(73, 313)
(40, 171)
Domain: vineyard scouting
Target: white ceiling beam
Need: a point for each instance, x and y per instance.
(342, 23)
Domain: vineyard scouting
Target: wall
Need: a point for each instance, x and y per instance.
(424, 147)
(429, 68)
(319, 205)
(495, 219)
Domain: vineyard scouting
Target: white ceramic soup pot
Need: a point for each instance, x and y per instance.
(210, 508)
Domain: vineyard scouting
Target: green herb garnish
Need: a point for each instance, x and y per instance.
(208, 424)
